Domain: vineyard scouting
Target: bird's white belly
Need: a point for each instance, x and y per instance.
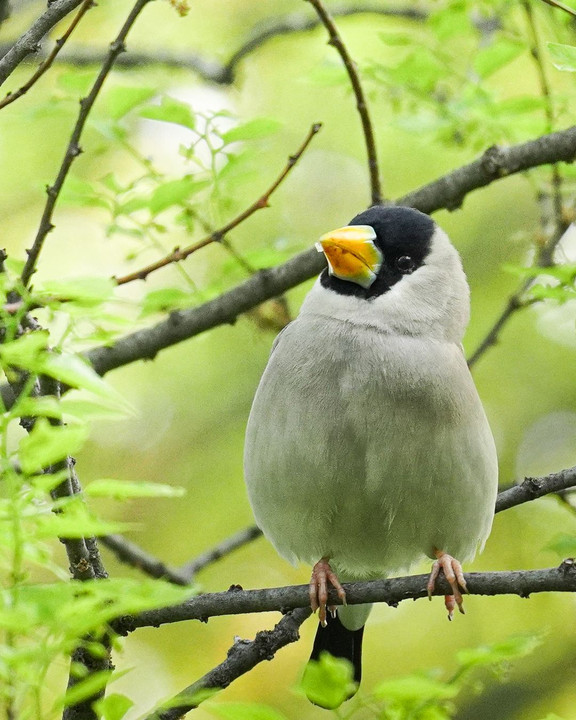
(358, 453)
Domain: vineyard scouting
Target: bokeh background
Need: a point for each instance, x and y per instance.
(192, 402)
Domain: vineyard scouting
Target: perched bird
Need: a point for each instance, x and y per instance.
(367, 446)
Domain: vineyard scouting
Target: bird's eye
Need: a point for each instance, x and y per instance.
(405, 264)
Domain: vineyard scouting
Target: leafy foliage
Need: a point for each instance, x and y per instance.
(442, 80)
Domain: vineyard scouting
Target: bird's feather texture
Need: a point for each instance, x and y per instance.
(367, 442)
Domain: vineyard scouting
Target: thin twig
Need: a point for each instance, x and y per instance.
(132, 554)
(28, 42)
(297, 22)
(179, 254)
(73, 149)
(556, 179)
(560, 6)
(361, 104)
(446, 192)
(513, 304)
(238, 540)
(212, 70)
(518, 299)
(46, 64)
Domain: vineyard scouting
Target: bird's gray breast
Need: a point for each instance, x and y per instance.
(368, 448)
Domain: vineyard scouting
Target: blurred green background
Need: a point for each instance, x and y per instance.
(193, 400)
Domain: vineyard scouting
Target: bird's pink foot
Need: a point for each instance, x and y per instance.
(452, 570)
(322, 574)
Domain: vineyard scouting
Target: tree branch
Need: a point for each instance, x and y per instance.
(242, 657)
(391, 591)
(446, 192)
(73, 149)
(211, 70)
(28, 42)
(495, 163)
(238, 540)
(361, 104)
(46, 64)
(179, 254)
(533, 488)
(132, 554)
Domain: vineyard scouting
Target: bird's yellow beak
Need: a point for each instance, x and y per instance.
(352, 254)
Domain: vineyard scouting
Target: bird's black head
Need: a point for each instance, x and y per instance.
(403, 235)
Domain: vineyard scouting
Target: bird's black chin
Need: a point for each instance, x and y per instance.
(381, 285)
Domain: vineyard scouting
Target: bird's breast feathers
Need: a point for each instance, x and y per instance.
(369, 448)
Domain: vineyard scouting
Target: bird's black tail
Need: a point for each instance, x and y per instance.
(341, 643)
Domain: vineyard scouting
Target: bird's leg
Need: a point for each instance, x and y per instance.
(322, 574)
(453, 573)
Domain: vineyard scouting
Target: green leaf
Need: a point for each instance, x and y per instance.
(252, 130)
(76, 372)
(563, 56)
(47, 444)
(39, 407)
(164, 300)
(14, 265)
(113, 707)
(77, 524)
(327, 74)
(122, 489)
(86, 291)
(85, 688)
(415, 689)
(24, 351)
(395, 39)
(120, 100)
(557, 293)
(174, 192)
(171, 111)
(77, 82)
(328, 682)
(514, 647)
(244, 711)
(77, 191)
(490, 59)
(77, 405)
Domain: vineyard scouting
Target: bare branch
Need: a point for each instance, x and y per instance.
(241, 658)
(532, 488)
(133, 555)
(73, 149)
(495, 163)
(44, 66)
(513, 304)
(361, 104)
(238, 540)
(181, 253)
(28, 42)
(446, 192)
(212, 70)
(389, 590)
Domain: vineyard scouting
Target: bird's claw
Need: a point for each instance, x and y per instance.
(322, 574)
(454, 575)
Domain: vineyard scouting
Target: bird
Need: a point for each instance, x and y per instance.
(367, 447)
